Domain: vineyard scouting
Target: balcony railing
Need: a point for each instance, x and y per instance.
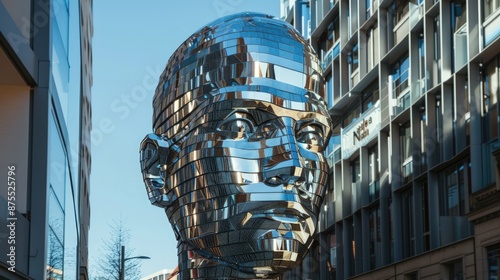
(461, 47)
(418, 88)
(403, 102)
(416, 13)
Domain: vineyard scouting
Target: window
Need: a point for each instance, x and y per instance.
(437, 50)
(454, 270)
(391, 229)
(466, 102)
(405, 144)
(371, 5)
(373, 174)
(58, 176)
(425, 217)
(423, 138)
(333, 256)
(438, 134)
(368, 8)
(458, 14)
(372, 46)
(327, 41)
(369, 99)
(333, 250)
(400, 9)
(454, 190)
(408, 238)
(355, 170)
(490, 86)
(490, 92)
(399, 75)
(353, 59)
(375, 240)
(351, 117)
(490, 6)
(336, 30)
(453, 198)
(421, 59)
(329, 90)
(412, 276)
(493, 258)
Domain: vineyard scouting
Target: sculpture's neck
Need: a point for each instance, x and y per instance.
(195, 266)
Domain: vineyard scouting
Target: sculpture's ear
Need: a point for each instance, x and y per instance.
(156, 155)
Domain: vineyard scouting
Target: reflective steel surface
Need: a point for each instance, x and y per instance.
(236, 154)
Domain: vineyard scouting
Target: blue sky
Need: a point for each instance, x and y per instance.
(132, 43)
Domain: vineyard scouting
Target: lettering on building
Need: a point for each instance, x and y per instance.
(362, 130)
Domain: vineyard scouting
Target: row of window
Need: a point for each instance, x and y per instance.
(429, 68)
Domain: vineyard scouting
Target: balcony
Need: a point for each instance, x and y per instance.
(490, 27)
(330, 56)
(402, 28)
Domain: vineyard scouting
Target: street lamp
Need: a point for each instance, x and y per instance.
(123, 259)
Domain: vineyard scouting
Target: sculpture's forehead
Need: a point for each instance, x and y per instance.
(250, 58)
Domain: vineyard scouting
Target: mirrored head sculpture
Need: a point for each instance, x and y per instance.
(236, 157)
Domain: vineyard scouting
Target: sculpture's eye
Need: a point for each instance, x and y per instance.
(311, 134)
(265, 131)
(237, 125)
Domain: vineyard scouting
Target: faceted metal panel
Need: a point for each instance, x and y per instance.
(236, 158)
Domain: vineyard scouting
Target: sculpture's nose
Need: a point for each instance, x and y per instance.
(286, 165)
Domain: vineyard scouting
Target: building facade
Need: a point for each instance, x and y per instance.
(45, 122)
(412, 86)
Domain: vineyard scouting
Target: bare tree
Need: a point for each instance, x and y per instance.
(110, 256)
(55, 257)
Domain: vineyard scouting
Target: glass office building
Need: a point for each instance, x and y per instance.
(412, 87)
(45, 122)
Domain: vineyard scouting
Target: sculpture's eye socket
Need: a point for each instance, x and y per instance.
(237, 126)
(311, 134)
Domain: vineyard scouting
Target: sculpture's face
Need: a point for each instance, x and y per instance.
(238, 163)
